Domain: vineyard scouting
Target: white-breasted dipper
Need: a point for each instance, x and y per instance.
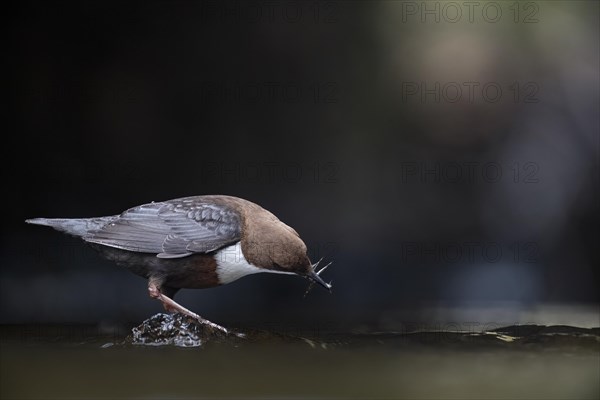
(194, 242)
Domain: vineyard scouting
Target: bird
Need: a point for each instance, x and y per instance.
(194, 242)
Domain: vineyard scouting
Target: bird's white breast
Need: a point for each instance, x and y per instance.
(232, 265)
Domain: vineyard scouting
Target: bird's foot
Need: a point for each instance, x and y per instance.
(172, 306)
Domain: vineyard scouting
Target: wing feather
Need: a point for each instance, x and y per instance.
(172, 229)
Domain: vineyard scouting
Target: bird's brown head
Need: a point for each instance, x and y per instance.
(298, 262)
(280, 249)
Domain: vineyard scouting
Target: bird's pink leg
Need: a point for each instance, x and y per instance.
(172, 306)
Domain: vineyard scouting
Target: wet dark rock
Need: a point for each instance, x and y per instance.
(559, 337)
(177, 330)
(530, 330)
(554, 336)
(183, 331)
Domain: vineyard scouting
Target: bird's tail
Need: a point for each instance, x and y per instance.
(73, 226)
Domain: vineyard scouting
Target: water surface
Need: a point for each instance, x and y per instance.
(81, 362)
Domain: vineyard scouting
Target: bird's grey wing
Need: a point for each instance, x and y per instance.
(172, 229)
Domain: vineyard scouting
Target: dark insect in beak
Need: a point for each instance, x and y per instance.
(315, 277)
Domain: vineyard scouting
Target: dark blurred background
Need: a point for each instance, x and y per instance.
(445, 158)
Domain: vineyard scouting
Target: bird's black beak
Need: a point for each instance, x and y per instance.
(313, 276)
